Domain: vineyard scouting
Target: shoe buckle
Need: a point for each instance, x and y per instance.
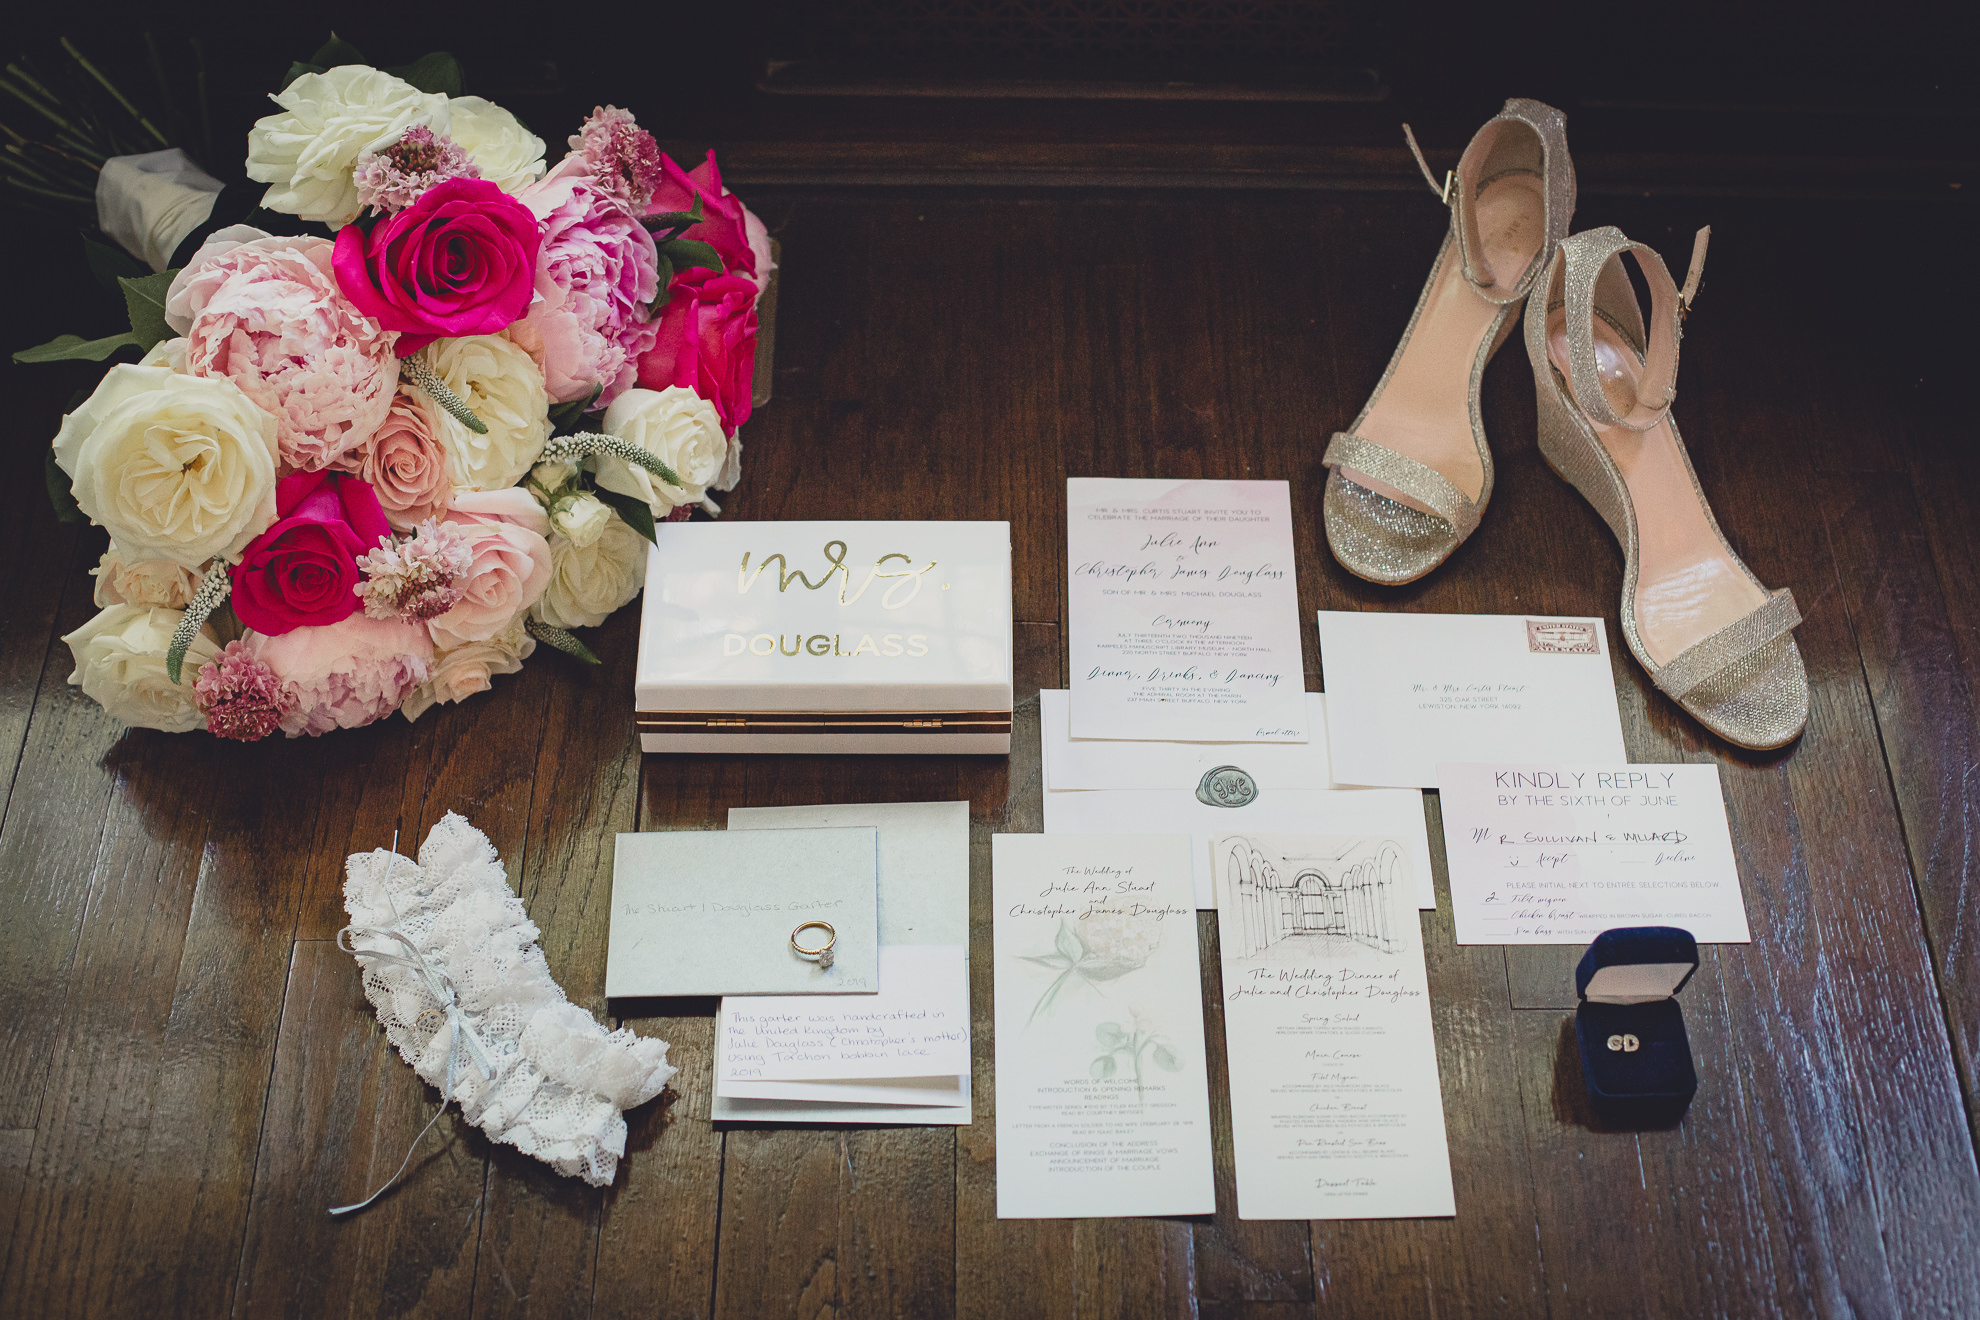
(1450, 178)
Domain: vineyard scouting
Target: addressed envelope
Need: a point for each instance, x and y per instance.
(1406, 691)
(917, 1026)
(1093, 763)
(712, 912)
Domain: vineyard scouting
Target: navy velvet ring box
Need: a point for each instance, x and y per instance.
(1635, 1056)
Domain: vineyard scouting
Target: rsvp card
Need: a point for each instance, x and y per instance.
(1183, 611)
(712, 912)
(1407, 691)
(1103, 1099)
(1336, 1110)
(1559, 853)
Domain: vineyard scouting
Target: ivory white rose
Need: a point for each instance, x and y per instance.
(588, 582)
(508, 155)
(121, 580)
(462, 671)
(581, 518)
(307, 153)
(504, 388)
(167, 353)
(179, 468)
(678, 427)
(120, 665)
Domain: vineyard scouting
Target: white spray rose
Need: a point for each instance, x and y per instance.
(307, 153)
(509, 155)
(460, 672)
(678, 427)
(581, 518)
(588, 582)
(180, 468)
(167, 353)
(121, 580)
(504, 388)
(120, 664)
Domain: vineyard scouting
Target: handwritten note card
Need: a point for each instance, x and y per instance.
(1103, 1100)
(712, 912)
(1336, 1108)
(1557, 854)
(1184, 611)
(917, 1026)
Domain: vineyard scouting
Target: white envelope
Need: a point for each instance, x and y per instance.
(935, 1092)
(1090, 763)
(778, 1113)
(1280, 807)
(1411, 690)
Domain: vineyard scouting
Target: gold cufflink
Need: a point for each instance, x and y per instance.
(1625, 1044)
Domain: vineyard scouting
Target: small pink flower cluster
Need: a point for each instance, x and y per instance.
(242, 698)
(420, 578)
(391, 179)
(625, 161)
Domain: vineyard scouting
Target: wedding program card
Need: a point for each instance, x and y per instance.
(712, 912)
(1407, 691)
(1103, 1101)
(1336, 1107)
(1558, 853)
(901, 1056)
(1184, 611)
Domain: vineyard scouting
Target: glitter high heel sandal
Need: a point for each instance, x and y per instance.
(1709, 634)
(1411, 477)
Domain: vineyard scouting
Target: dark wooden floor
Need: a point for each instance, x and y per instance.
(190, 1074)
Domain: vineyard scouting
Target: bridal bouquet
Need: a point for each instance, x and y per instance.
(421, 415)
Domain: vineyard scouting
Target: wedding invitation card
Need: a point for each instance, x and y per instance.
(700, 912)
(900, 1056)
(1336, 1107)
(1103, 1100)
(1183, 611)
(1407, 691)
(1283, 788)
(1558, 853)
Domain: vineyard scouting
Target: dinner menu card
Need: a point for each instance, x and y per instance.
(1183, 611)
(1559, 853)
(1336, 1107)
(1103, 1100)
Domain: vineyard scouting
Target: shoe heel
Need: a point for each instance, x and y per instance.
(1572, 452)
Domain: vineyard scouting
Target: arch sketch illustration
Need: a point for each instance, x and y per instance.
(1347, 896)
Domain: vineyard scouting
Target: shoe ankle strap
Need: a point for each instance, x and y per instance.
(1585, 260)
(1460, 188)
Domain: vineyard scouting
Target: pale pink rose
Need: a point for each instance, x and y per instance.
(510, 504)
(346, 674)
(147, 582)
(405, 464)
(511, 567)
(596, 273)
(266, 313)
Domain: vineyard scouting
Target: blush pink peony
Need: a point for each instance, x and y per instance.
(344, 675)
(405, 463)
(596, 273)
(266, 313)
(509, 569)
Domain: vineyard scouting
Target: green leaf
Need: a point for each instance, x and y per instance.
(1104, 1067)
(691, 252)
(564, 417)
(110, 263)
(145, 300)
(560, 639)
(1110, 1035)
(1070, 946)
(636, 512)
(59, 492)
(1052, 960)
(336, 51)
(1165, 1059)
(1105, 969)
(436, 72)
(74, 348)
(666, 294)
(672, 224)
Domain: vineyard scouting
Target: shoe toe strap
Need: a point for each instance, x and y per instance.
(1429, 488)
(1702, 661)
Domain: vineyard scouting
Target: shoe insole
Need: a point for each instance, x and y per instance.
(1688, 584)
(1424, 411)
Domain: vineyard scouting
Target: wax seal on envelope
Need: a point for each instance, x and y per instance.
(1226, 786)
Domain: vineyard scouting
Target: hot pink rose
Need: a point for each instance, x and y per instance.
(302, 572)
(724, 220)
(707, 342)
(596, 272)
(266, 313)
(510, 570)
(405, 466)
(344, 675)
(459, 261)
